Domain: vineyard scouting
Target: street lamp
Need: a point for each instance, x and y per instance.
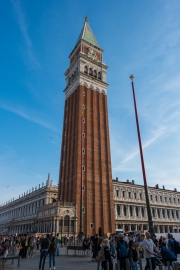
(150, 222)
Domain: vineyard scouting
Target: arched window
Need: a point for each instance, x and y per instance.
(163, 213)
(158, 212)
(95, 73)
(99, 75)
(66, 223)
(86, 70)
(137, 211)
(124, 210)
(168, 213)
(90, 72)
(172, 212)
(131, 211)
(118, 210)
(142, 211)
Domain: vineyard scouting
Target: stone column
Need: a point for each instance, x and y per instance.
(57, 225)
(175, 217)
(145, 212)
(63, 225)
(158, 229)
(121, 210)
(115, 210)
(161, 216)
(128, 212)
(54, 225)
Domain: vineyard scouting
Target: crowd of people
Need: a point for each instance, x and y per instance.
(26, 245)
(103, 250)
(131, 247)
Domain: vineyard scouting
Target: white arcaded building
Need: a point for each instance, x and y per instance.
(40, 211)
(131, 212)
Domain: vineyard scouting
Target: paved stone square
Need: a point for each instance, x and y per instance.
(63, 262)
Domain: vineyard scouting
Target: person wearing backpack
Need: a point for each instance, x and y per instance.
(52, 253)
(122, 251)
(171, 244)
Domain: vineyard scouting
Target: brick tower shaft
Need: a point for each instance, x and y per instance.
(85, 153)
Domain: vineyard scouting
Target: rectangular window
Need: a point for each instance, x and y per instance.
(84, 94)
(161, 198)
(83, 151)
(83, 209)
(83, 135)
(123, 193)
(156, 198)
(134, 195)
(91, 225)
(83, 106)
(60, 198)
(129, 194)
(83, 168)
(165, 199)
(151, 197)
(83, 188)
(83, 120)
(170, 200)
(117, 193)
(140, 196)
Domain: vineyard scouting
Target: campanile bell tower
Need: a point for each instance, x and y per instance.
(85, 168)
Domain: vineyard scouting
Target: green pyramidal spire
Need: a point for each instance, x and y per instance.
(87, 34)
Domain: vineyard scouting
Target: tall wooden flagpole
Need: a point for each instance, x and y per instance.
(150, 222)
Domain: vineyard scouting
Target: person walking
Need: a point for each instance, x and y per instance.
(133, 255)
(58, 242)
(52, 253)
(45, 243)
(150, 251)
(122, 251)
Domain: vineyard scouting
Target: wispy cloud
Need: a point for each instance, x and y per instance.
(22, 24)
(30, 116)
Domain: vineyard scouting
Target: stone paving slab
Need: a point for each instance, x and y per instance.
(63, 262)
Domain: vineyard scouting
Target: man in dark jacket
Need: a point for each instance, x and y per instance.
(45, 243)
(122, 251)
(167, 255)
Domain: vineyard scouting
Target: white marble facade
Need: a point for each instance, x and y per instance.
(131, 211)
(39, 210)
(20, 215)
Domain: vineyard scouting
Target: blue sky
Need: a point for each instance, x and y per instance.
(139, 37)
